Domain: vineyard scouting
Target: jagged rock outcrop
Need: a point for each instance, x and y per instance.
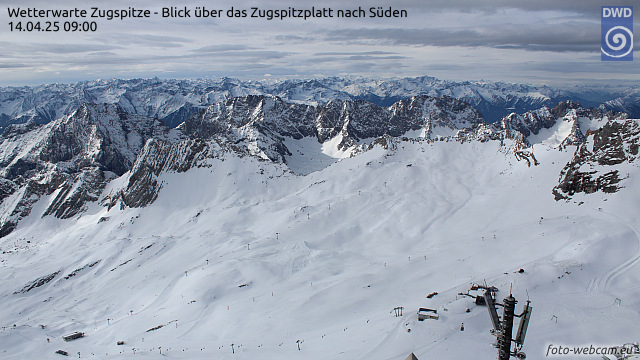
(18, 205)
(262, 122)
(72, 196)
(95, 134)
(69, 160)
(162, 156)
(574, 118)
(599, 162)
(530, 122)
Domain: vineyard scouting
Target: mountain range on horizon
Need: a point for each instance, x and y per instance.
(173, 100)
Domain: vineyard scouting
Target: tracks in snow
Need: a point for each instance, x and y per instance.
(603, 282)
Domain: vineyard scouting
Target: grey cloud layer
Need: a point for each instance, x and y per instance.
(546, 37)
(567, 38)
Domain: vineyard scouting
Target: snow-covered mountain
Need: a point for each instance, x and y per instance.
(628, 102)
(170, 100)
(602, 161)
(264, 121)
(70, 159)
(266, 228)
(175, 100)
(564, 124)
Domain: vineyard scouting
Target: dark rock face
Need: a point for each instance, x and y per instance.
(38, 283)
(160, 156)
(596, 165)
(73, 157)
(101, 134)
(263, 121)
(265, 113)
(532, 122)
(76, 192)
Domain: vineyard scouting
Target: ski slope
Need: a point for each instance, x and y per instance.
(246, 260)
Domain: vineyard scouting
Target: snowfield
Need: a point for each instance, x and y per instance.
(246, 260)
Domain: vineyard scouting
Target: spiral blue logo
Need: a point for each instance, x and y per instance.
(617, 33)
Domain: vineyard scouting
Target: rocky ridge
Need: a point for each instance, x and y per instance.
(67, 163)
(602, 161)
(262, 122)
(69, 160)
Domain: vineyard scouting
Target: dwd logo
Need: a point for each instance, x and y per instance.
(617, 33)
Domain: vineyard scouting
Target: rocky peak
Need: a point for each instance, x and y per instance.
(430, 112)
(233, 117)
(71, 158)
(530, 122)
(566, 122)
(561, 109)
(261, 121)
(14, 130)
(102, 134)
(597, 164)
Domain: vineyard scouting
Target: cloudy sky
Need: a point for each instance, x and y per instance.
(539, 42)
